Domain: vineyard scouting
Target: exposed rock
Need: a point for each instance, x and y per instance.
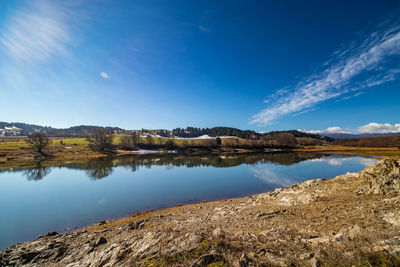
(381, 178)
(29, 256)
(392, 218)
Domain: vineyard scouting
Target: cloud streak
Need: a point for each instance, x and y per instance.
(36, 34)
(350, 70)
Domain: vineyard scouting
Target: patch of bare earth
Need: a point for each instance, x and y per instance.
(353, 219)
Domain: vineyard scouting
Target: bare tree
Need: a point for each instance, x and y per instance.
(39, 141)
(100, 140)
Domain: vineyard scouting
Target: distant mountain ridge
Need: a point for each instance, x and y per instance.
(229, 131)
(85, 130)
(356, 136)
(75, 131)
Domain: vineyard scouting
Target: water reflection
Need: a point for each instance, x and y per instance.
(269, 176)
(340, 160)
(103, 167)
(36, 173)
(282, 177)
(99, 168)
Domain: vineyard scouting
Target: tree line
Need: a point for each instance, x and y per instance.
(383, 141)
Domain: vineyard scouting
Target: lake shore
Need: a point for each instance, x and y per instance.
(351, 219)
(18, 154)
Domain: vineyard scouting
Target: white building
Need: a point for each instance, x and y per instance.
(10, 131)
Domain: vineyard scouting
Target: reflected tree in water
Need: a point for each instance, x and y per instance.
(99, 168)
(103, 167)
(37, 173)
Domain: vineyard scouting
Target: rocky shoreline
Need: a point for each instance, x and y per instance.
(353, 219)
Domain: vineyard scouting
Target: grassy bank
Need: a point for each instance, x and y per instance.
(16, 152)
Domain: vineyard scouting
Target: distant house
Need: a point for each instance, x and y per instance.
(10, 131)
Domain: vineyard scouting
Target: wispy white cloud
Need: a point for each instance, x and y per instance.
(374, 127)
(104, 75)
(36, 34)
(204, 29)
(206, 23)
(350, 69)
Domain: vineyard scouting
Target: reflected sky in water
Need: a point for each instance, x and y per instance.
(273, 174)
(42, 199)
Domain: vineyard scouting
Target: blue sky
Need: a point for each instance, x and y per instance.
(262, 65)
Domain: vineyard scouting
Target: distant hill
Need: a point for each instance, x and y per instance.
(84, 130)
(300, 134)
(379, 141)
(337, 136)
(25, 128)
(229, 131)
(75, 131)
(214, 131)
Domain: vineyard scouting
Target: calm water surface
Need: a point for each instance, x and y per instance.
(35, 201)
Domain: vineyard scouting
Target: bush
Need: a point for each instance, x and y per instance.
(169, 145)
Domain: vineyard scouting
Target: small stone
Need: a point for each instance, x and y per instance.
(101, 241)
(217, 232)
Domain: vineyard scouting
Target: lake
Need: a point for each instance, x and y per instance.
(35, 201)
